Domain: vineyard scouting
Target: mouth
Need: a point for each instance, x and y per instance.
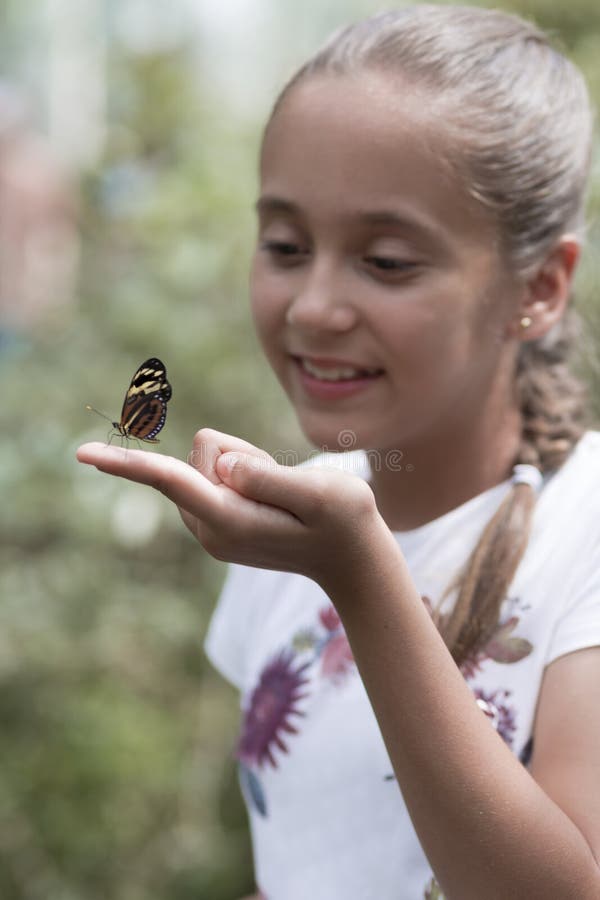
(335, 371)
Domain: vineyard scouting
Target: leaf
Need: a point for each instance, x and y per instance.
(253, 789)
(503, 648)
(433, 891)
(526, 753)
(304, 640)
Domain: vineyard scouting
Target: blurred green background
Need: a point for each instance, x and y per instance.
(116, 771)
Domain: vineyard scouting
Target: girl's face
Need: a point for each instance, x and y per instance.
(377, 287)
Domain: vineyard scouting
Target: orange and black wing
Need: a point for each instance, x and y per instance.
(145, 406)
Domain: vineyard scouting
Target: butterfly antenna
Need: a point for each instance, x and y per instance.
(93, 409)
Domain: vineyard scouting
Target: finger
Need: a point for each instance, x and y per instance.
(208, 445)
(297, 490)
(172, 477)
(309, 494)
(225, 523)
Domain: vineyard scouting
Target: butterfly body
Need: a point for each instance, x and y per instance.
(145, 405)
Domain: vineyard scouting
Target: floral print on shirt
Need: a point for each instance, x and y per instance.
(271, 715)
(273, 704)
(273, 712)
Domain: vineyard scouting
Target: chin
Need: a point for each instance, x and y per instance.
(354, 435)
(335, 440)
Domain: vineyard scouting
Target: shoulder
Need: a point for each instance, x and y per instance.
(243, 608)
(355, 462)
(567, 515)
(586, 454)
(249, 582)
(564, 550)
(577, 482)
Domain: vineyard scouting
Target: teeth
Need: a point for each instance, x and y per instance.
(341, 373)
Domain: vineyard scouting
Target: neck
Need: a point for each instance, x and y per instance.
(447, 471)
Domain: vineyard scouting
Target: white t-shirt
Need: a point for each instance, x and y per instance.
(327, 819)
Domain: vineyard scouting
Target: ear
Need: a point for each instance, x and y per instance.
(546, 293)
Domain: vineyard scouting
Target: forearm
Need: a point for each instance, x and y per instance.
(486, 826)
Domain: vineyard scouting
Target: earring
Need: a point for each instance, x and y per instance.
(526, 321)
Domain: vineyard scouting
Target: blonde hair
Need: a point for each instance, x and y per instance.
(519, 120)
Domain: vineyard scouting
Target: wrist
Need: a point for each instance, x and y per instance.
(366, 555)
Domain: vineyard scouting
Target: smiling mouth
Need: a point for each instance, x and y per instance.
(325, 370)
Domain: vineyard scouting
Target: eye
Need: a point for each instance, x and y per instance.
(388, 262)
(390, 266)
(284, 253)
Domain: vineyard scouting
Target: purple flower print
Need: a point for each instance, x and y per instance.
(498, 712)
(272, 703)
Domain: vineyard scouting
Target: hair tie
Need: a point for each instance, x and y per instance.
(524, 473)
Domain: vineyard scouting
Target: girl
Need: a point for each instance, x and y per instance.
(420, 663)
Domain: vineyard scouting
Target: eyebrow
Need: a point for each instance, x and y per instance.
(268, 203)
(272, 204)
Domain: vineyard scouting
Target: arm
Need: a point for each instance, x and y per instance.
(487, 826)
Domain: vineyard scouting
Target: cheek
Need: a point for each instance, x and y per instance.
(428, 347)
(268, 310)
(419, 332)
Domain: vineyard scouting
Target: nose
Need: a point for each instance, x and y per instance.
(320, 301)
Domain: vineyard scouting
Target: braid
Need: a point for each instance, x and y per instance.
(488, 574)
(552, 398)
(552, 406)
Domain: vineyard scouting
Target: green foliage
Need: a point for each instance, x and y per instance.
(117, 777)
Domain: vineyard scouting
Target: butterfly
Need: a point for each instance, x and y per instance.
(145, 405)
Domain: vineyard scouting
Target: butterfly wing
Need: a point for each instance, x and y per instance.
(145, 406)
(145, 418)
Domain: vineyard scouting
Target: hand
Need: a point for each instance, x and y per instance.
(243, 507)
